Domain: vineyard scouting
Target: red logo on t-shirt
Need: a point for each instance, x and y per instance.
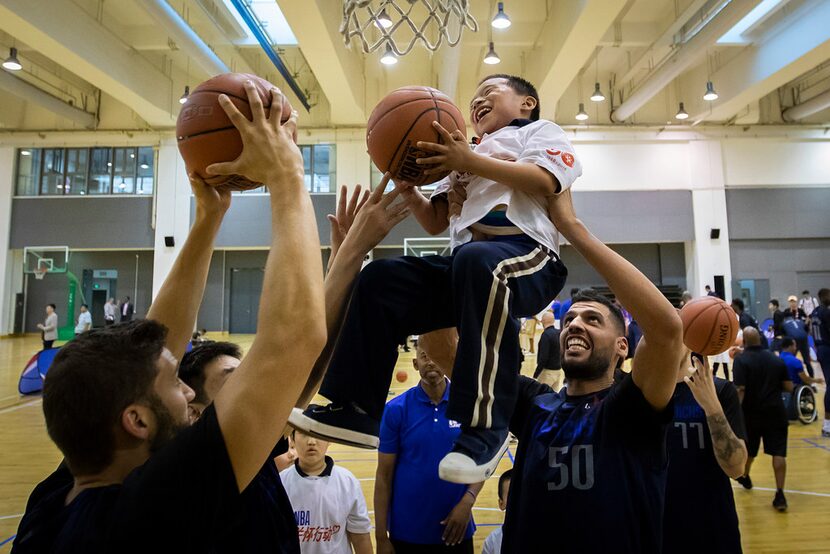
(568, 159)
(553, 152)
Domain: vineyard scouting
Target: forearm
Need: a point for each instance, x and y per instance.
(432, 215)
(178, 300)
(525, 177)
(361, 542)
(655, 315)
(383, 494)
(730, 451)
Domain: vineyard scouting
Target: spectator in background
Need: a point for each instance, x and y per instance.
(492, 544)
(795, 312)
(566, 305)
(794, 366)
(795, 325)
(820, 329)
(761, 377)
(709, 291)
(49, 328)
(685, 298)
(127, 310)
(745, 319)
(777, 319)
(415, 511)
(84, 320)
(548, 362)
(110, 312)
(328, 502)
(807, 303)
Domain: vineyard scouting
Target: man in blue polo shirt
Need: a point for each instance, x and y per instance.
(795, 368)
(416, 511)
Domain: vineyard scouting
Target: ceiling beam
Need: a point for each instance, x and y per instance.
(570, 35)
(76, 41)
(338, 70)
(686, 55)
(759, 70)
(661, 47)
(31, 93)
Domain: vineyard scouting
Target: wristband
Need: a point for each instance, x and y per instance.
(468, 491)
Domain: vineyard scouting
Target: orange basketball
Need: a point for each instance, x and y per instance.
(205, 134)
(399, 121)
(710, 325)
(401, 376)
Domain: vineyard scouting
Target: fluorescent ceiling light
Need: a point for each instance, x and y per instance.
(270, 16)
(763, 10)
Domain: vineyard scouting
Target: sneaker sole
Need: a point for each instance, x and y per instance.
(301, 422)
(477, 475)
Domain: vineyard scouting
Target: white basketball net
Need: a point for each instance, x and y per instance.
(427, 21)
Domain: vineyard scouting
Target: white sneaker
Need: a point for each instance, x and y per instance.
(456, 467)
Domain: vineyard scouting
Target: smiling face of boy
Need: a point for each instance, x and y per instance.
(495, 104)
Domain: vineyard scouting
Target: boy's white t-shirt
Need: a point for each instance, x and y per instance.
(492, 544)
(540, 142)
(326, 507)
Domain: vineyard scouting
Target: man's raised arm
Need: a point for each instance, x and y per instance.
(658, 354)
(253, 406)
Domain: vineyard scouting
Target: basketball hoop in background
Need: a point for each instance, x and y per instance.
(400, 24)
(39, 273)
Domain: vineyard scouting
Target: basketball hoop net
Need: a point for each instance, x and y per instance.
(376, 23)
(40, 273)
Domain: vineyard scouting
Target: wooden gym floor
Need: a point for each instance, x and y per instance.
(27, 455)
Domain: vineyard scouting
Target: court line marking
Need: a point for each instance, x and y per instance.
(7, 540)
(815, 444)
(788, 491)
(19, 406)
(12, 516)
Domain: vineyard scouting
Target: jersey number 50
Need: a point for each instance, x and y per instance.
(577, 472)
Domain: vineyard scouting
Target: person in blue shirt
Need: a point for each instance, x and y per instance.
(416, 511)
(590, 471)
(795, 368)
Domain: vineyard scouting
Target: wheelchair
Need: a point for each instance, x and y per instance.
(801, 404)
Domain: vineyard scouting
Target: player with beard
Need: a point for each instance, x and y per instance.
(595, 453)
(115, 406)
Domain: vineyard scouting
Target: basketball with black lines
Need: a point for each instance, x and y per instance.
(402, 119)
(710, 325)
(204, 132)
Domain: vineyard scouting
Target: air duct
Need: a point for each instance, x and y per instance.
(808, 108)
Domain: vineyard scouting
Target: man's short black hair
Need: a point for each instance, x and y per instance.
(590, 295)
(52, 306)
(521, 86)
(707, 287)
(93, 379)
(504, 478)
(192, 368)
(84, 306)
(824, 295)
(805, 292)
(738, 303)
(774, 302)
(787, 342)
(574, 291)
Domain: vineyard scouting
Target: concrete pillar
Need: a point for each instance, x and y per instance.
(705, 256)
(172, 210)
(6, 257)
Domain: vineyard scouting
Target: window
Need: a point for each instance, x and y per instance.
(100, 171)
(84, 171)
(28, 171)
(319, 168)
(123, 181)
(51, 176)
(76, 171)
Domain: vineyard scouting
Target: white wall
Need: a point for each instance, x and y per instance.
(776, 162)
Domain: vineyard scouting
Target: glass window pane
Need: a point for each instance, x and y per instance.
(123, 181)
(324, 168)
(28, 171)
(100, 171)
(51, 179)
(76, 170)
(144, 181)
(306, 150)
